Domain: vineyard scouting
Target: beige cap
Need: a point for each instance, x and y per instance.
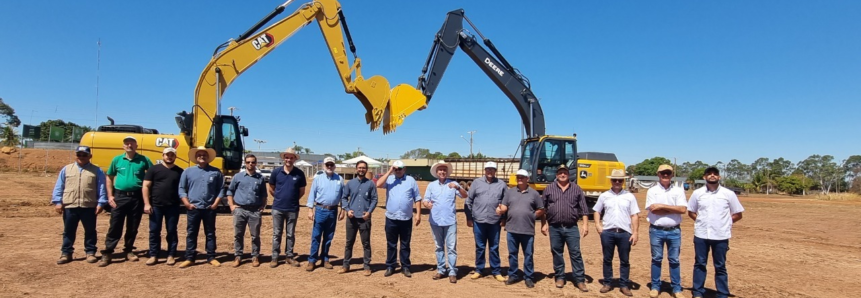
(328, 159)
(665, 168)
(168, 150)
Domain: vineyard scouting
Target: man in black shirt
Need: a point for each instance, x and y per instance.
(161, 201)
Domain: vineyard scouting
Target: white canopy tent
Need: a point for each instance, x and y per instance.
(372, 163)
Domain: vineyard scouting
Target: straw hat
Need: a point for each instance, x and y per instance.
(193, 152)
(437, 165)
(618, 174)
(290, 151)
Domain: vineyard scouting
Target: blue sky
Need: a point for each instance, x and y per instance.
(691, 80)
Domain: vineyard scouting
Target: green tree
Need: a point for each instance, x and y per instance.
(697, 174)
(9, 136)
(350, 155)
(302, 150)
(9, 113)
(852, 170)
(437, 155)
(822, 169)
(416, 153)
(790, 184)
(453, 155)
(649, 167)
(67, 126)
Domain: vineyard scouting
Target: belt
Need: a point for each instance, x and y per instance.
(616, 230)
(673, 228)
(126, 193)
(249, 207)
(329, 207)
(558, 225)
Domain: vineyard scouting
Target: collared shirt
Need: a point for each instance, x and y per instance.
(673, 196)
(617, 209)
(521, 210)
(564, 207)
(326, 190)
(360, 196)
(443, 198)
(248, 190)
(201, 185)
(401, 194)
(129, 173)
(483, 198)
(288, 188)
(714, 212)
(60, 185)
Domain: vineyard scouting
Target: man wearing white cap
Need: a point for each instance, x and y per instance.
(522, 205)
(440, 198)
(201, 189)
(402, 192)
(125, 177)
(485, 195)
(323, 201)
(79, 201)
(618, 229)
(665, 203)
(161, 201)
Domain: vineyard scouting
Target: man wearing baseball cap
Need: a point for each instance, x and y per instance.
(80, 200)
(665, 203)
(521, 206)
(162, 202)
(402, 193)
(485, 195)
(323, 201)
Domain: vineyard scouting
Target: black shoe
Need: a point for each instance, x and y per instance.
(511, 280)
(389, 272)
(406, 272)
(530, 284)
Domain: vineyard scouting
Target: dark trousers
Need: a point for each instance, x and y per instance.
(701, 257)
(487, 239)
(87, 218)
(610, 241)
(169, 215)
(322, 234)
(398, 230)
(515, 243)
(560, 236)
(363, 227)
(195, 217)
(129, 211)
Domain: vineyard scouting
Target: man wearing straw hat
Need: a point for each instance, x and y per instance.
(201, 189)
(665, 203)
(618, 229)
(521, 206)
(485, 194)
(440, 198)
(286, 186)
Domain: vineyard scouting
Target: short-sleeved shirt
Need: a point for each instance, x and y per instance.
(483, 198)
(521, 210)
(714, 212)
(401, 194)
(442, 214)
(564, 207)
(248, 190)
(617, 209)
(673, 196)
(129, 173)
(164, 190)
(287, 187)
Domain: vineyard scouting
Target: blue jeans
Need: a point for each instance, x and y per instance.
(170, 215)
(487, 234)
(610, 240)
(560, 236)
(718, 249)
(195, 217)
(398, 230)
(445, 239)
(87, 218)
(515, 242)
(673, 241)
(324, 227)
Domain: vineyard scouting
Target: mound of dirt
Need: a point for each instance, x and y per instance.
(8, 150)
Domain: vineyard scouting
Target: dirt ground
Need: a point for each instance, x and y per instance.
(784, 247)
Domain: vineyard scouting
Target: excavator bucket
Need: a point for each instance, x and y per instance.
(374, 95)
(404, 101)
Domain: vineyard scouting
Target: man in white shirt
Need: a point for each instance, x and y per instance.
(665, 203)
(618, 229)
(714, 209)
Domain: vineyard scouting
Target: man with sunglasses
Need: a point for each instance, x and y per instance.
(618, 229)
(323, 201)
(247, 196)
(79, 200)
(565, 204)
(359, 201)
(402, 194)
(161, 201)
(125, 177)
(665, 203)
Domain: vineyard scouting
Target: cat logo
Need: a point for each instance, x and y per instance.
(167, 142)
(261, 41)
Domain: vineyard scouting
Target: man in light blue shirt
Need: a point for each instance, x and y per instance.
(402, 193)
(440, 198)
(200, 189)
(79, 201)
(323, 201)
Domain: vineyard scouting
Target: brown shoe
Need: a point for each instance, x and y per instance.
(91, 258)
(343, 270)
(170, 261)
(64, 258)
(367, 272)
(654, 294)
(236, 261)
(626, 292)
(151, 261)
(560, 282)
(106, 260)
(186, 264)
(582, 287)
(131, 256)
(214, 263)
(437, 276)
(606, 288)
(452, 279)
(328, 265)
(255, 262)
(292, 262)
(273, 263)
(309, 267)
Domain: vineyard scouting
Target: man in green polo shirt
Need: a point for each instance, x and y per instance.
(124, 180)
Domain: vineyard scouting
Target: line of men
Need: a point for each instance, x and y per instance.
(132, 186)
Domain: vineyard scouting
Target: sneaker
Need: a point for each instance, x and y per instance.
(131, 256)
(452, 279)
(170, 260)
(236, 261)
(186, 264)
(389, 272)
(309, 267)
(530, 284)
(499, 278)
(406, 272)
(476, 275)
(151, 261)
(343, 270)
(328, 265)
(367, 271)
(91, 258)
(214, 263)
(64, 258)
(106, 260)
(654, 293)
(255, 262)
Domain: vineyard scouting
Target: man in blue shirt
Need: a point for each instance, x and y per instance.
(440, 198)
(247, 197)
(200, 189)
(402, 192)
(79, 200)
(286, 186)
(485, 194)
(358, 202)
(326, 191)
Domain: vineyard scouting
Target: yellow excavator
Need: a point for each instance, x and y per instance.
(206, 126)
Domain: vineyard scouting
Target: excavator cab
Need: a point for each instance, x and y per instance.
(542, 156)
(225, 137)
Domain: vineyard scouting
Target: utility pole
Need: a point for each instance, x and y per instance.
(259, 142)
(469, 141)
(98, 70)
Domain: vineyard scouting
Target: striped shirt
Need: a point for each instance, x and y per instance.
(564, 207)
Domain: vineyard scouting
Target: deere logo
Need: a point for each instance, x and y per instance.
(167, 142)
(261, 41)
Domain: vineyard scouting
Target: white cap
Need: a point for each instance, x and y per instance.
(328, 159)
(130, 138)
(522, 172)
(398, 164)
(168, 150)
(490, 164)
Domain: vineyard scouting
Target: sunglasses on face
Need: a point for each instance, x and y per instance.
(617, 180)
(362, 168)
(399, 169)
(666, 173)
(82, 155)
(330, 165)
(251, 162)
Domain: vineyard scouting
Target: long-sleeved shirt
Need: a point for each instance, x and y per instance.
(483, 198)
(326, 190)
(401, 194)
(564, 207)
(442, 214)
(57, 195)
(360, 196)
(248, 190)
(201, 186)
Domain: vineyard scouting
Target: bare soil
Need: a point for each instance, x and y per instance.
(784, 247)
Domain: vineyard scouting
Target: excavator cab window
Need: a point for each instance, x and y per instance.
(547, 155)
(224, 137)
